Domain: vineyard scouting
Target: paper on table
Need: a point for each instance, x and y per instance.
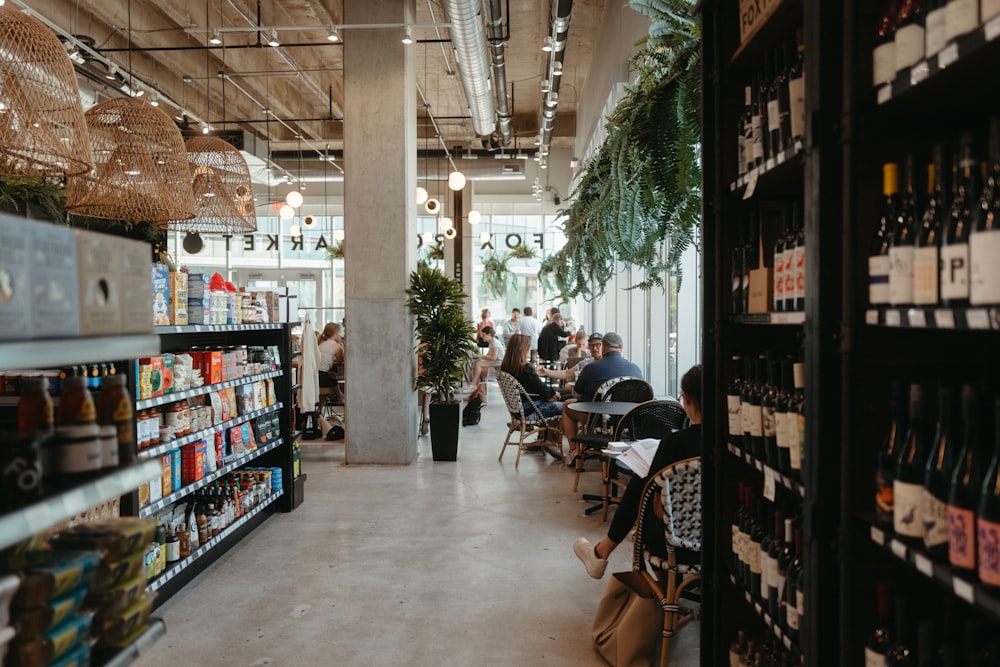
(639, 456)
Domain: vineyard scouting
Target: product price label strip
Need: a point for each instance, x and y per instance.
(769, 622)
(750, 178)
(770, 474)
(207, 432)
(152, 508)
(215, 328)
(961, 319)
(180, 565)
(157, 401)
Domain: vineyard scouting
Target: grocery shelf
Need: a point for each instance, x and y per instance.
(57, 352)
(769, 318)
(217, 328)
(772, 624)
(185, 562)
(772, 172)
(233, 464)
(960, 319)
(204, 389)
(771, 476)
(136, 648)
(26, 522)
(207, 432)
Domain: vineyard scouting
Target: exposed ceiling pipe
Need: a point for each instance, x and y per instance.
(561, 10)
(498, 56)
(469, 39)
(433, 169)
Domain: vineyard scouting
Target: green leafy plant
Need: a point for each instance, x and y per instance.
(445, 337)
(497, 277)
(638, 198)
(523, 251)
(336, 251)
(34, 198)
(435, 252)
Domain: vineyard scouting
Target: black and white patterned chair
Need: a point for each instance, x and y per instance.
(524, 421)
(679, 487)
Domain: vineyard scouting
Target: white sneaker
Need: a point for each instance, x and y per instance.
(584, 550)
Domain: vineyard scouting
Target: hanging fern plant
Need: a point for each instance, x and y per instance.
(497, 277)
(638, 199)
(523, 251)
(336, 251)
(435, 252)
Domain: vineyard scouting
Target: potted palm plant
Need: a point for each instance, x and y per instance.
(445, 339)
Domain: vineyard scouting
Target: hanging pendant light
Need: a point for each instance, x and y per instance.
(42, 127)
(140, 169)
(456, 180)
(475, 217)
(223, 191)
(432, 206)
(294, 199)
(421, 195)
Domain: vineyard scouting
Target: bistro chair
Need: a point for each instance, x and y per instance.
(524, 420)
(679, 488)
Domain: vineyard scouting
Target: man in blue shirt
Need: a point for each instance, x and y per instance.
(611, 365)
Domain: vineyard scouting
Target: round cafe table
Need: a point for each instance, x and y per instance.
(617, 408)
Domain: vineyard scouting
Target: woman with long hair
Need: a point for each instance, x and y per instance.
(331, 356)
(515, 362)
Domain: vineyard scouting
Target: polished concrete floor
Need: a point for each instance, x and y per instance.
(464, 563)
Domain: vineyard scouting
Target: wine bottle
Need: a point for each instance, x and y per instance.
(749, 380)
(785, 558)
(797, 446)
(745, 538)
(775, 140)
(962, 17)
(756, 537)
(774, 579)
(927, 251)
(737, 525)
(800, 580)
(937, 478)
(756, 124)
(778, 304)
(763, 88)
(757, 410)
(880, 640)
(769, 406)
(737, 273)
(988, 517)
(901, 653)
(751, 258)
(737, 649)
(799, 296)
(750, 149)
(797, 90)
(884, 56)
(878, 256)
(733, 403)
(901, 245)
(963, 495)
(788, 272)
(954, 278)
(908, 485)
(782, 59)
(984, 236)
(742, 146)
(885, 464)
(928, 650)
(792, 608)
(909, 36)
(766, 520)
(785, 418)
(935, 27)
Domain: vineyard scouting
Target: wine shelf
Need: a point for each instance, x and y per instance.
(961, 319)
(216, 328)
(207, 432)
(771, 624)
(137, 647)
(183, 563)
(769, 318)
(941, 573)
(928, 70)
(58, 352)
(771, 476)
(204, 389)
(26, 522)
(773, 170)
(233, 464)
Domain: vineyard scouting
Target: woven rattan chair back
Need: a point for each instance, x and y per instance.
(652, 419)
(523, 420)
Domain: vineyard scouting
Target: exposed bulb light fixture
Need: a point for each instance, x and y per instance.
(216, 39)
(295, 230)
(294, 199)
(205, 129)
(456, 180)
(338, 235)
(112, 72)
(286, 212)
(484, 236)
(333, 36)
(407, 35)
(450, 233)
(432, 206)
(428, 238)
(445, 223)
(273, 42)
(547, 44)
(421, 195)
(154, 99)
(574, 163)
(475, 217)
(309, 221)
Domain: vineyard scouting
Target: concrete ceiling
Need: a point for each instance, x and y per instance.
(165, 45)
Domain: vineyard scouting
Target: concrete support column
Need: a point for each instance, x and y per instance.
(380, 141)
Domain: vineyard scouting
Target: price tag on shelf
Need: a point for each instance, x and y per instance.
(769, 165)
(779, 158)
(38, 517)
(964, 590)
(884, 94)
(871, 317)
(746, 457)
(75, 501)
(919, 72)
(898, 549)
(992, 29)
(893, 318)
(756, 606)
(769, 483)
(759, 466)
(948, 55)
(977, 318)
(878, 537)
(747, 595)
(917, 318)
(751, 179)
(944, 318)
(923, 564)
(788, 643)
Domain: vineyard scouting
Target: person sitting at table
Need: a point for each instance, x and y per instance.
(578, 349)
(549, 343)
(484, 321)
(515, 362)
(611, 365)
(492, 358)
(675, 447)
(331, 356)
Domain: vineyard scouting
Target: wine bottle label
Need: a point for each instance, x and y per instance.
(734, 658)
(800, 273)
(765, 573)
(770, 425)
(884, 63)
(878, 280)
(754, 557)
(935, 31)
(988, 9)
(772, 575)
(799, 374)
(735, 540)
(907, 499)
(797, 100)
(883, 498)
(756, 422)
(989, 551)
(735, 416)
(773, 115)
(955, 271)
(961, 537)
(984, 267)
(758, 141)
(934, 513)
(909, 46)
(901, 275)
(741, 150)
(925, 276)
(795, 448)
(745, 414)
(963, 17)
(748, 142)
(779, 278)
(792, 614)
(800, 602)
(782, 577)
(781, 429)
(874, 659)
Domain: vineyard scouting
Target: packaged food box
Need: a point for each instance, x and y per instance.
(113, 574)
(236, 443)
(198, 311)
(113, 539)
(118, 629)
(136, 291)
(49, 575)
(54, 644)
(175, 470)
(115, 600)
(192, 462)
(166, 480)
(55, 305)
(77, 657)
(99, 283)
(15, 279)
(155, 489)
(197, 287)
(167, 373)
(33, 622)
(161, 295)
(177, 286)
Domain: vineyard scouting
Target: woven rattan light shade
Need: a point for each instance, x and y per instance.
(223, 192)
(42, 128)
(140, 166)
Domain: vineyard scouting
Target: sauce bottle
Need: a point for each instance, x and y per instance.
(114, 408)
(76, 406)
(34, 410)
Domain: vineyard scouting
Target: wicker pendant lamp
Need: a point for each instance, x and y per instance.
(140, 166)
(223, 192)
(42, 127)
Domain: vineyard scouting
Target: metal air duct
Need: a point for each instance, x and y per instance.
(469, 39)
(561, 10)
(498, 57)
